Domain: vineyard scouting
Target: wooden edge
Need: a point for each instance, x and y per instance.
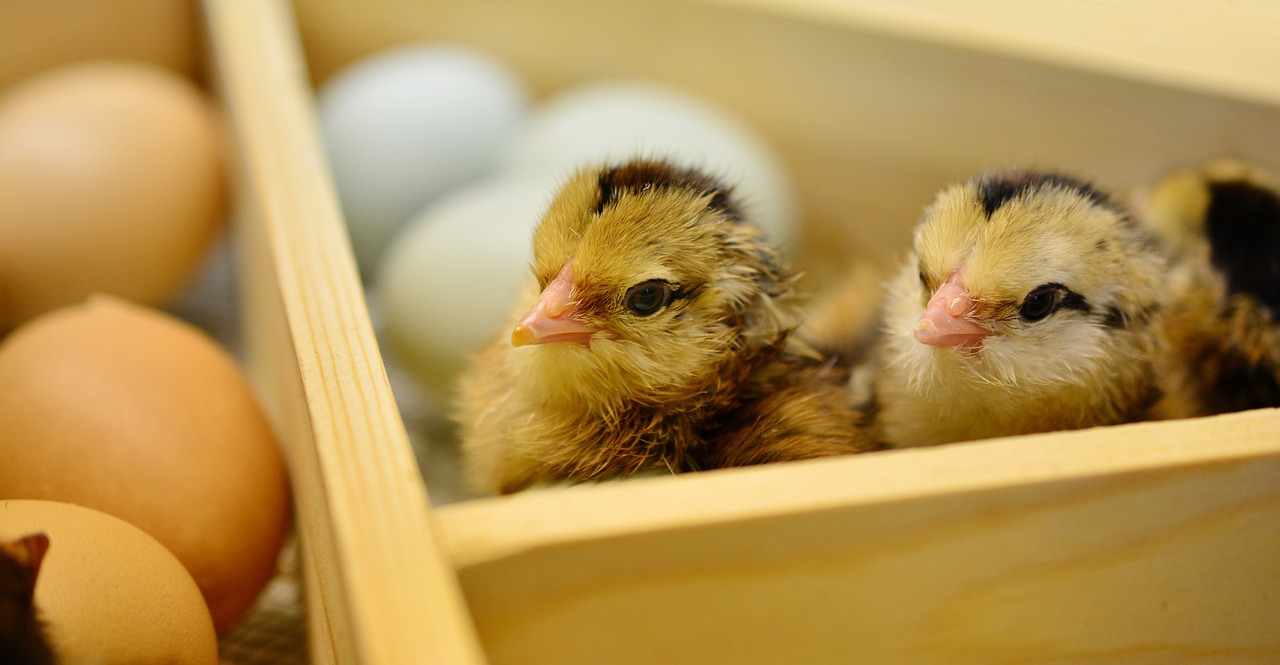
(1209, 48)
(381, 589)
(485, 530)
(1143, 544)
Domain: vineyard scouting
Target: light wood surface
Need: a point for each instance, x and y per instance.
(1221, 48)
(380, 590)
(1153, 543)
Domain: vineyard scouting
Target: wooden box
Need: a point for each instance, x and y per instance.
(1149, 543)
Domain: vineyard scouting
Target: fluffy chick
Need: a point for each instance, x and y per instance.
(655, 336)
(1031, 302)
(22, 634)
(1222, 224)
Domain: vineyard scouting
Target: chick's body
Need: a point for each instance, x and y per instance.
(1221, 222)
(655, 336)
(1030, 303)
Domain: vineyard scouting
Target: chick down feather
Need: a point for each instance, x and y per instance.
(1030, 302)
(654, 335)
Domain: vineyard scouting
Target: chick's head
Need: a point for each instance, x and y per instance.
(1024, 281)
(650, 284)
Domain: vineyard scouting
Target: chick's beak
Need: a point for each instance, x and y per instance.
(947, 321)
(551, 319)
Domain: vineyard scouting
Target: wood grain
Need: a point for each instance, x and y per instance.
(1151, 543)
(380, 589)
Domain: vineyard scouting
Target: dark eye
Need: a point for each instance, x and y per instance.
(648, 297)
(1041, 302)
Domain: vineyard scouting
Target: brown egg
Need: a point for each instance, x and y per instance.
(107, 593)
(111, 180)
(127, 410)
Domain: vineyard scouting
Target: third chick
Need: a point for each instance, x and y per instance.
(1222, 224)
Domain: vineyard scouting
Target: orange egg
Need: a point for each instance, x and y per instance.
(111, 180)
(108, 593)
(130, 411)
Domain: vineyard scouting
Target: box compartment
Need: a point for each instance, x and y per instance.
(1152, 543)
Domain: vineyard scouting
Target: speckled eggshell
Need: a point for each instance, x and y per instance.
(108, 593)
(130, 411)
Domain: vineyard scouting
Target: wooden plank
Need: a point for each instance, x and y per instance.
(1224, 49)
(380, 590)
(1148, 543)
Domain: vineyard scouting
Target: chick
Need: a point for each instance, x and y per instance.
(22, 635)
(1222, 224)
(655, 336)
(1031, 302)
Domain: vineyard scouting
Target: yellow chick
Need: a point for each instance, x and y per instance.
(1031, 302)
(1222, 223)
(656, 337)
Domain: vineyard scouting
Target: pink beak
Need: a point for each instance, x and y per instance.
(551, 318)
(947, 320)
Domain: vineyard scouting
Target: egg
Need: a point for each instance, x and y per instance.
(404, 125)
(616, 120)
(127, 410)
(112, 180)
(107, 593)
(447, 283)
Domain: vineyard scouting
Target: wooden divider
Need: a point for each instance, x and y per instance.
(380, 590)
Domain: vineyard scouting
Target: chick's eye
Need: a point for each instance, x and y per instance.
(1041, 302)
(648, 297)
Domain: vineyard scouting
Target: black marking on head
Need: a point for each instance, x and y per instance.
(1072, 300)
(1242, 383)
(997, 189)
(1114, 318)
(1140, 408)
(639, 176)
(1243, 229)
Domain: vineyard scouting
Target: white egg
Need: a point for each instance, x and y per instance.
(451, 277)
(617, 120)
(405, 125)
